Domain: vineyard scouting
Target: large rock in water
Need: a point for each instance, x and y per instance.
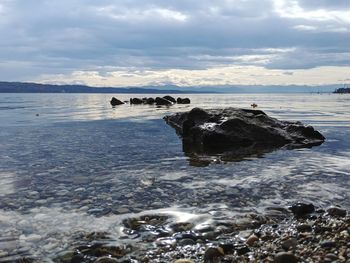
(232, 134)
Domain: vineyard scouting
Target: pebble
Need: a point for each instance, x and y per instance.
(251, 240)
(241, 250)
(336, 212)
(285, 257)
(289, 244)
(212, 254)
(331, 256)
(304, 228)
(327, 244)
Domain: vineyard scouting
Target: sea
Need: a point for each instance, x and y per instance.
(71, 163)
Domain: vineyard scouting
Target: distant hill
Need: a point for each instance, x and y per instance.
(25, 87)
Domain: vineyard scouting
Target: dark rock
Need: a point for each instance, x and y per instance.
(327, 244)
(135, 101)
(162, 101)
(285, 257)
(331, 257)
(77, 258)
(301, 209)
(114, 102)
(183, 101)
(169, 98)
(304, 228)
(150, 101)
(289, 244)
(187, 235)
(241, 250)
(251, 240)
(212, 254)
(336, 212)
(238, 133)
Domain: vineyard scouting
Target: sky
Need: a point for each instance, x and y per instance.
(185, 42)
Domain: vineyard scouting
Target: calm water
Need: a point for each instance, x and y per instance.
(83, 166)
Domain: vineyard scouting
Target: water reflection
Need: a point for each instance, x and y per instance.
(315, 109)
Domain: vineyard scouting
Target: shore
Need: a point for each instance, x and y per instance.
(300, 233)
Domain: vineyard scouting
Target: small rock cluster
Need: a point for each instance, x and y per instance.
(166, 100)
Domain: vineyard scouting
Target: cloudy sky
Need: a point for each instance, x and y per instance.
(182, 42)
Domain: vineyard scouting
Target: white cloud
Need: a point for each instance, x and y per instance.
(292, 9)
(138, 15)
(229, 75)
(305, 27)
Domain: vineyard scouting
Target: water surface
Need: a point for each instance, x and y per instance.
(71, 163)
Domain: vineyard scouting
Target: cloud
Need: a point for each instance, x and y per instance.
(229, 75)
(325, 4)
(71, 36)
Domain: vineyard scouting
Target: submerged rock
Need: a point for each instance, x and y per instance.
(163, 101)
(237, 133)
(150, 101)
(183, 101)
(336, 212)
(136, 101)
(114, 102)
(169, 98)
(301, 209)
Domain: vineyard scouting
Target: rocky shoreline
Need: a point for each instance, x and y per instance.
(300, 233)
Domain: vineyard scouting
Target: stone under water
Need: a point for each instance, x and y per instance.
(232, 134)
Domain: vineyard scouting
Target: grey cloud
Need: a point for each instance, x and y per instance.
(44, 37)
(325, 4)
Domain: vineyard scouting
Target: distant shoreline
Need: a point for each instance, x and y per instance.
(27, 87)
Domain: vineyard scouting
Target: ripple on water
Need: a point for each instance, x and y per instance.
(83, 167)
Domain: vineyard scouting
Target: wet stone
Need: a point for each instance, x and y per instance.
(304, 228)
(331, 256)
(212, 254)
(251, 240)
(289, 244)
(327, 244)
(302, 209)
(336, 212)
(285, 257)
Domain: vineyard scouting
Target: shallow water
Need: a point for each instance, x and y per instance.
(83, 166)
